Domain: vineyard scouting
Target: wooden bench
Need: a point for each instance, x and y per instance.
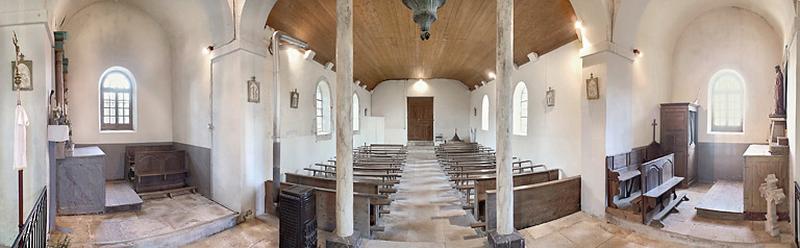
(358, 186)
(658, 184)
(156, 168)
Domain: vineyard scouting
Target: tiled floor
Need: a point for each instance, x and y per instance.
(157, 217)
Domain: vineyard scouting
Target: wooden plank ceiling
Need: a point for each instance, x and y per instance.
(462, 46)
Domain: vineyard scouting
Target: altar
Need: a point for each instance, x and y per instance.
(81, 182)
(760, 162)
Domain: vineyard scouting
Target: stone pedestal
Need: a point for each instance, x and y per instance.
(778, 142)
(513, 240)
(353, 241)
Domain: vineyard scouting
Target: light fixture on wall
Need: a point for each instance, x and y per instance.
(309, 54)
(421, 85)
(329, 66)
(207, 50)
(637, 53)
(424, 12)
(579, 30)
(491, 76)
(533, 57)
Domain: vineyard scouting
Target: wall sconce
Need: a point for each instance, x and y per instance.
(365, 111)
(207, 50)
(309, 55)
(294, 99)
(329, 66)
(637, 53)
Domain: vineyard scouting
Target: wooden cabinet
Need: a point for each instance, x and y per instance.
(679, 135)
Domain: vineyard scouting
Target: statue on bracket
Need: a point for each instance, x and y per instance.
(780, 97)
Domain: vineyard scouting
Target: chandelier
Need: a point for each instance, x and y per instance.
(424, 14)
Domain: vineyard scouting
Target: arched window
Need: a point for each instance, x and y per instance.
(323, 108)
(727, 102)
(356, 107)
(520, 109)
(485, 113)
(117, 99)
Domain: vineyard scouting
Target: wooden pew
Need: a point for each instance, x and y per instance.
(658, 184)
(539, 203)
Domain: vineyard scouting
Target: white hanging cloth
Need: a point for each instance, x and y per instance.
(21, 123)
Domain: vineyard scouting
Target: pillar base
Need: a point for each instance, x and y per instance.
(513, 240)
(334, 241)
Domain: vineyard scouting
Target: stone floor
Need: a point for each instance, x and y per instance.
(261, 232)
(426, 209)
(687, 222)
(157, 218)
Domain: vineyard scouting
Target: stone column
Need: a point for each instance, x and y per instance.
(344, 127)
(505, 235)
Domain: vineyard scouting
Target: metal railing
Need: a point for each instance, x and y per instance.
(796, 212)
(33, 233)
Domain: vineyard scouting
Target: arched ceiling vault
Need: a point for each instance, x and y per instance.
(462, 46)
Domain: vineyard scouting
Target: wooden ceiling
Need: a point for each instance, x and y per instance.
(462, 45)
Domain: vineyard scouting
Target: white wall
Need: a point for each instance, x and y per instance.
(451, 106)
(752, 48)
(110, 33)
(36, 43)
(242, 137)
(554, 133)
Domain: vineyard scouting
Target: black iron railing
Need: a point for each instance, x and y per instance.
(796, 212)
(33, 233)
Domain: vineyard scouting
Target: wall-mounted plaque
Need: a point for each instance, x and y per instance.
(25, 70)
(592, 88)
(550, 97)
(294, 99)
(253, 90)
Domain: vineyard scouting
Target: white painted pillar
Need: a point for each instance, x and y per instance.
(505, 66)
(344, 118)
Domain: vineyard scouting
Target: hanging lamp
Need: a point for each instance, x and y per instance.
(424, 14)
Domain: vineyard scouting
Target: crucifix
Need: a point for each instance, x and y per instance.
(654, 124)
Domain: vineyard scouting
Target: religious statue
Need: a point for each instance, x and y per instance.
(774, 196)
(780, 98)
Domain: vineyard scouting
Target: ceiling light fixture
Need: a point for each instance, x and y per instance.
(424, 14)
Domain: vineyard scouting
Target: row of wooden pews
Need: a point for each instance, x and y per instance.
(540, 194)
(376, 170)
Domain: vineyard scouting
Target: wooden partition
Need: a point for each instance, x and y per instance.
(159, 170)
(486, 183)
(539, 203)
(326, 212)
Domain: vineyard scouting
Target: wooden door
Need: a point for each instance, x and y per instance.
(420, 118)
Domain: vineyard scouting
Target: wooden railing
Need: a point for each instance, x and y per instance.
(33, 232)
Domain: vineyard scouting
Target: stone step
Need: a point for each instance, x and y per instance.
(120, 197)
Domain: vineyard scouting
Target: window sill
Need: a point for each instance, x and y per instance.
(116, 131)
(323, 137)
